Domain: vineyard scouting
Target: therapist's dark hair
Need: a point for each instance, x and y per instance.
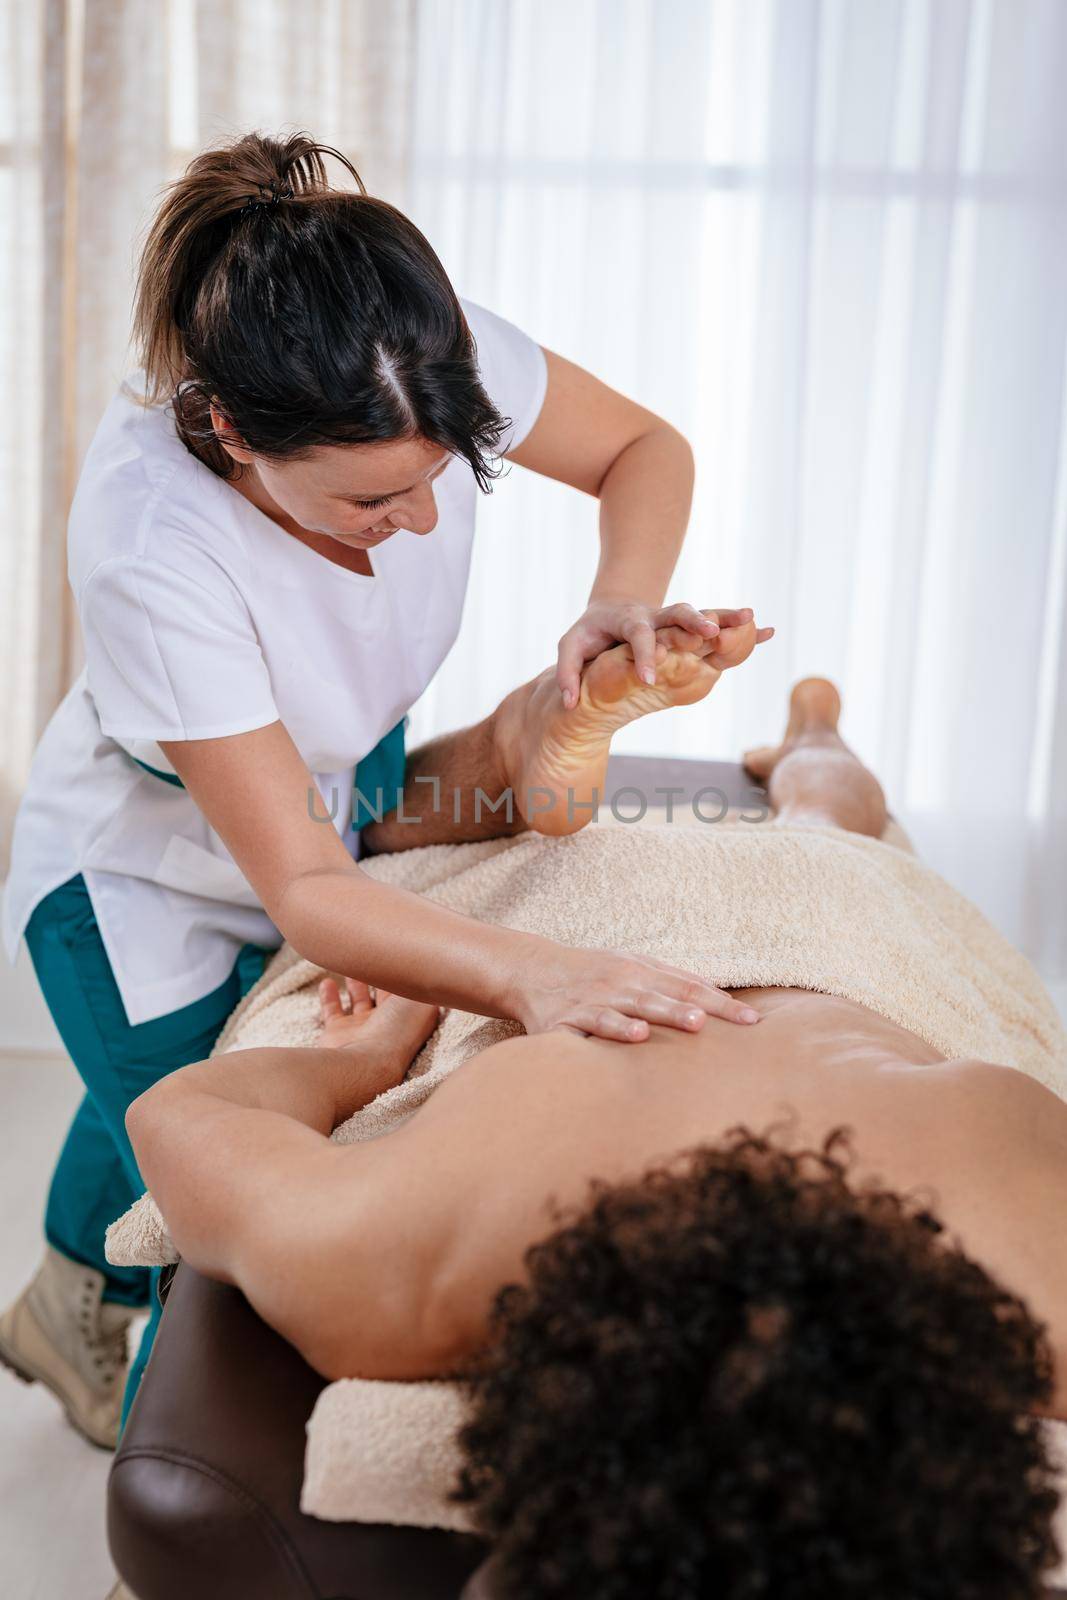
(310, 315)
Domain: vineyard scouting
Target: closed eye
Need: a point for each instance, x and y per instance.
(383, 500)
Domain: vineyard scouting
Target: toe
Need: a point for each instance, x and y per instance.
(684, 642)
(760, 761)
(734, 645)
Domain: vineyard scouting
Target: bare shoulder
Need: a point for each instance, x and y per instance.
(346, 1256)
(321, 1266)
(1007, 1196)
(1005, 1104)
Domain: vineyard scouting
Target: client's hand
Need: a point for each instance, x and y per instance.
(401, 1027)
(612, 995)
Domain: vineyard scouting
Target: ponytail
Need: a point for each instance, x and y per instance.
(308, 315)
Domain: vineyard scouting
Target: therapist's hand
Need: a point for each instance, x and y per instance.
(609, 622)
(611, 995)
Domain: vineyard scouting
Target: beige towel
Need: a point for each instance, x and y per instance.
(386, 1449)
(740, 904)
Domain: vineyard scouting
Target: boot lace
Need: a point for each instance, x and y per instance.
(107, 1346)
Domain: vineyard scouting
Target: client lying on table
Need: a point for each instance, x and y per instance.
(703, 1359)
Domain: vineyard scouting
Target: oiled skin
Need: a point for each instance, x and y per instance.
(439, 1214)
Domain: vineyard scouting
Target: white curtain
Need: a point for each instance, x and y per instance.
(101, 102)
(829, 242)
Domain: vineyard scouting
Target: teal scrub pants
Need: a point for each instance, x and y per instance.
(96, 1177)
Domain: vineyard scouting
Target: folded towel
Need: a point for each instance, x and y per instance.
(388, 1448)
(814, 908)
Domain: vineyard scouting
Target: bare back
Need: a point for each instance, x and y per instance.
(470, 1181)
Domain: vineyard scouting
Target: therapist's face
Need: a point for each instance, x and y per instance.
(359, 494)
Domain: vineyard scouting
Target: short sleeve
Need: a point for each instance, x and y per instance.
(172, 654)
(513, 369)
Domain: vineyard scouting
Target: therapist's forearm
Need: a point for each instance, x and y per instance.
(346, 922)
(645, 499)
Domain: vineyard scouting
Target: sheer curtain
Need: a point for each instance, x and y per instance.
(101, 102)
(829, 242)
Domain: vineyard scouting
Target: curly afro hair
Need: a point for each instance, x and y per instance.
(743, 1377)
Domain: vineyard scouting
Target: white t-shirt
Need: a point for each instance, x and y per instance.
(203, 617)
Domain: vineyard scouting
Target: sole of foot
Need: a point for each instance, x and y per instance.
(557, 759)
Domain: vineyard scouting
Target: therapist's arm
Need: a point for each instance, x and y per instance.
(257, 793)
(641, 469)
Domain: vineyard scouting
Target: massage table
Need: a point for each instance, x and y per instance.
(204, 1492)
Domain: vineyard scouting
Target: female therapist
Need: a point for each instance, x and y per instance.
(269, 547)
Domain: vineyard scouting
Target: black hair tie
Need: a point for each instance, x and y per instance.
(269, 195)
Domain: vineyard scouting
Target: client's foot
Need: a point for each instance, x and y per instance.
(813, 778)
(555, 759)
(814, 708)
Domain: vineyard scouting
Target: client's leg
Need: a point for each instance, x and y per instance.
(812, 776)
(455, 791)
(540, 765)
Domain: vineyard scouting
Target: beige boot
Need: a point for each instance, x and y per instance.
(60, 1333)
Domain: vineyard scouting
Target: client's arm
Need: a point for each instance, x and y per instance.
(236, 1153)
